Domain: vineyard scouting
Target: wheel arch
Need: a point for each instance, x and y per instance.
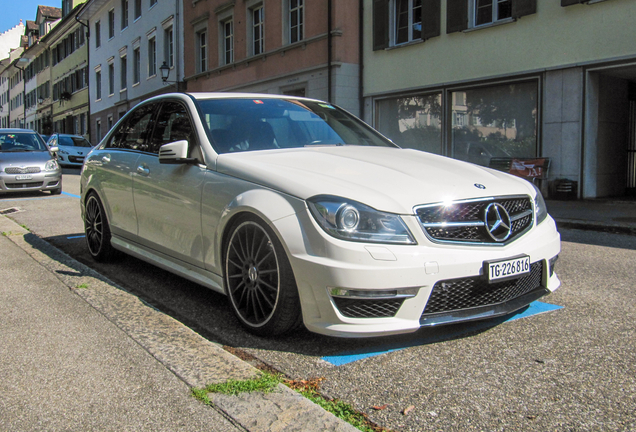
(264, 204)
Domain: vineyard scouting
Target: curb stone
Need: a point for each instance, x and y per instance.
(194, 359)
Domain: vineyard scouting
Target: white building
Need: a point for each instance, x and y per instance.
(129, 42)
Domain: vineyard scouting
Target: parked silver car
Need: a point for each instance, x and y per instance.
(27, 164)
(71, 148)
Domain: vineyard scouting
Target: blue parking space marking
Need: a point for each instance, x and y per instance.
(75, 237)
(534, 308)
(71, 195)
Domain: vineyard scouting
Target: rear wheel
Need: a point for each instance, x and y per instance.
(259, 280)
(97, 229)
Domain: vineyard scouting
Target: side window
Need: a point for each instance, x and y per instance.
(133, 133)
(173, 124)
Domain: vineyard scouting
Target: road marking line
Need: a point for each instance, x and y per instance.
(534, 308)
(71, 195)
(75, 237)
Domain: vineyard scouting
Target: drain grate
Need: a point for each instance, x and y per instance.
(10, 210)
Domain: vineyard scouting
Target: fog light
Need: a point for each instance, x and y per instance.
(374, 294)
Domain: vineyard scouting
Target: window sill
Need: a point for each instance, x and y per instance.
(404, 45)
(489, 25)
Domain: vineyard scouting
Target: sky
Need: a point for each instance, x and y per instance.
(11, 11)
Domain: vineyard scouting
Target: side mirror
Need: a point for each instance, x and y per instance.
(54, 149)
(175, 153)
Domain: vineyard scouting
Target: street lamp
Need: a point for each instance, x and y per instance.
(165, 73)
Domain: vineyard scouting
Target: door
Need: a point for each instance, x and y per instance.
(631, 150)
(118, 161)
(168, 197)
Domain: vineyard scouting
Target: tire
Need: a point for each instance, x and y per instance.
(259, 280)
(57, 191)
(97, 230)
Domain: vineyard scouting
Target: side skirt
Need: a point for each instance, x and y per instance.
(195, 274)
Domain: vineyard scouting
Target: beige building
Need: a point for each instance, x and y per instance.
(69, 72)
(298, 47)
(478, 80)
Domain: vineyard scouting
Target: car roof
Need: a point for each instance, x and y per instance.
(16, 130)
(228, 95)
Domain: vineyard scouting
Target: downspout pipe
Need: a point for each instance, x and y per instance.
(88, 74)
(361, 57)
(329, 50)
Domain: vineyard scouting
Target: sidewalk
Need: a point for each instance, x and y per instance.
(78, 353)
(607, 215)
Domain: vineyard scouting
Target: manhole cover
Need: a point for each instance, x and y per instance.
(10, 210)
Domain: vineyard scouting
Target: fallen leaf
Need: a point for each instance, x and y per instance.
(408, 409)
(381, 407)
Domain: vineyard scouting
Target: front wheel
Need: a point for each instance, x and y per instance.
(259, 280)
(97, 229)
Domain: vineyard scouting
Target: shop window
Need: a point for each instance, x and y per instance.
(495, 122)
(413, 121)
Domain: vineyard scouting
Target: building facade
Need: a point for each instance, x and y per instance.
(295, 47)
(69, 76)
(478, 80)
(130, 40)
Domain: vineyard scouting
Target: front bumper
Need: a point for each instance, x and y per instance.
(42, 181)
(392, 285)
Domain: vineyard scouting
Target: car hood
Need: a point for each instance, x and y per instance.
(387, 179)
(24, 159)
(78, 151)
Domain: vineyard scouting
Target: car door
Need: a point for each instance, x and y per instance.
(117, 162)
(168, 196)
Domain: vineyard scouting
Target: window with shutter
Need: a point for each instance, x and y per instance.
(456, 15)
(380, 24)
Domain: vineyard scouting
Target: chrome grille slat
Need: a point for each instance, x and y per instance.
(464, 221)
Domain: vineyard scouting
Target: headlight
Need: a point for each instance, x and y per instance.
(63, 151)
(51, 165)
(540, 209)
(350, 220)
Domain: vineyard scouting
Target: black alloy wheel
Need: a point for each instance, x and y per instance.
(97, 229)
(259, 280)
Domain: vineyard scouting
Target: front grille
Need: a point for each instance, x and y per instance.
(75, 159)
(458, 294)
(18, 170)
(23, 185)
(367, 308)
(465, 221)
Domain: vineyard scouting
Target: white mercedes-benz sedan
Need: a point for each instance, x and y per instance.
(302, 214)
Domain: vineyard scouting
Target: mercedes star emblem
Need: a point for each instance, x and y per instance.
(497, 222)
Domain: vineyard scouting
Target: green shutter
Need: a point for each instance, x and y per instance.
(523, 7)
(431, 17)
(380, 24)
(456, 15)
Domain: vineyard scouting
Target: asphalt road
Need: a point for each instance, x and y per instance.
(572, 367)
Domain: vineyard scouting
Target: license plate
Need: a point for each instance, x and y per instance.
(24, 177)
(511, 268)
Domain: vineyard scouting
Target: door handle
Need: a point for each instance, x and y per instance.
(106, 159)
(141, 170)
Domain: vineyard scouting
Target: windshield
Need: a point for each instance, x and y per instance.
(72, 141)
(236, 125)
(21, 142)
